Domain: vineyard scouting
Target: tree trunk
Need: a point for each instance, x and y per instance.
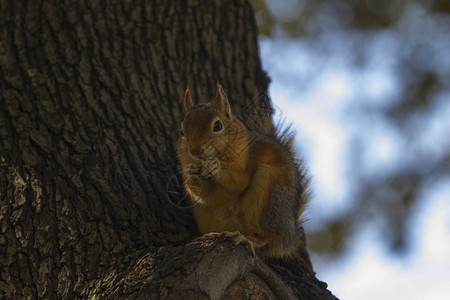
(90, 105)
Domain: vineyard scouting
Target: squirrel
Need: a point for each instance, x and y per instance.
(244, 184)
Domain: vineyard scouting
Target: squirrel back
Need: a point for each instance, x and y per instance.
(241, 180)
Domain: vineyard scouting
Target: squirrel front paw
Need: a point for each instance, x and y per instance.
(193, 171)
(210, 169)
(237, 238)
(204, 170)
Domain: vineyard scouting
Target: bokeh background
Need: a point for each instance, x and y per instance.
(366, 84)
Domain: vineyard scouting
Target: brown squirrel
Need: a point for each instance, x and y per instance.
(244, 184)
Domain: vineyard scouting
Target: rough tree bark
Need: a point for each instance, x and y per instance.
(90, 104)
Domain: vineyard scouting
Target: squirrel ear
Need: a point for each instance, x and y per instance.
(222, 101)
(187, 99)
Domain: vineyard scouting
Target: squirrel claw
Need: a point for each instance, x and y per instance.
(237, 237)
(194, 171)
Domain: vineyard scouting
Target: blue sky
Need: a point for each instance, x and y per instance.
(331, 101)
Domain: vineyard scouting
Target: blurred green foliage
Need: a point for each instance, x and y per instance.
(387, 200)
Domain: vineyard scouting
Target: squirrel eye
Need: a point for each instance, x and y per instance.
(217, 126)
(181, 131)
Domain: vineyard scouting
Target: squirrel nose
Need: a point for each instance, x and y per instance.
(196, 151)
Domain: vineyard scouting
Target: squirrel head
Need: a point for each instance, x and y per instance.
(208, 129)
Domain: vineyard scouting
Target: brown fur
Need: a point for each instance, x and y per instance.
(239, 180)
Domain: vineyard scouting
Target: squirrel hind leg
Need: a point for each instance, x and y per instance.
(283, 247)
(282, 218)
